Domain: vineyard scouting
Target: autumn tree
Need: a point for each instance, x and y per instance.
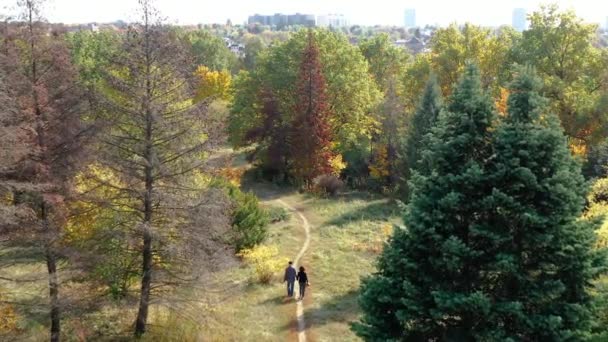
(213, 85)
(560, 46)
(453, 46)
(311, 140)
(384, 58)
(45, 125)
(155, 141)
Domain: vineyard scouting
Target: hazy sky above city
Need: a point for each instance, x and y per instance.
(364, 12)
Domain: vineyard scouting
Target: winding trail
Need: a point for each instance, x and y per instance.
(300, 303)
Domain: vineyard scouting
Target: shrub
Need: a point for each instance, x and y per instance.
(278, 214)
(265, 261)
(328, 184)
(249, 219)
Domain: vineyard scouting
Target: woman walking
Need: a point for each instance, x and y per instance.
(302, 281)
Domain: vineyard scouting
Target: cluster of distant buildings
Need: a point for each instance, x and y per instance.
(279, 20)
(519, 20)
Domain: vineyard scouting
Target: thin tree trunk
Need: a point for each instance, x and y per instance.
(146, 280)
(51, 265)
(144, 300)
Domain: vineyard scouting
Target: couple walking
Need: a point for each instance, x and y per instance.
(291, 277)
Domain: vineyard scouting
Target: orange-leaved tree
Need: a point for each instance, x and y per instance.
(311, 138)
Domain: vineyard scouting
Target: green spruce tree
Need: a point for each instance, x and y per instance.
(423, 120)
(546, 260)
(429, 280)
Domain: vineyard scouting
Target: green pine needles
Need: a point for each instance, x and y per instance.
(494, 249)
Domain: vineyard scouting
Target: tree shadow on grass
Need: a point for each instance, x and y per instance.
(339, 309)
(265, 190)
(277, 301)
(15, 254)
(375, 211)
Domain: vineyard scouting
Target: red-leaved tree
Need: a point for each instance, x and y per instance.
(311, 137)
(272, 136)
(42, 120)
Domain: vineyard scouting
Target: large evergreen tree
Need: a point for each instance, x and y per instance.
(546, 259)
(312, 137)
(423, 121)
(428, 284)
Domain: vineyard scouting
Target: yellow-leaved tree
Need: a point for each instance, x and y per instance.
(212, 84)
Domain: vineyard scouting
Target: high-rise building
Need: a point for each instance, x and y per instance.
(519, 20)
(281, 20)
(410, 18)
(257, 19)
(332, 20)
(301, 20)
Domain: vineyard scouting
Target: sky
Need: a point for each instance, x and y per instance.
(362, 12)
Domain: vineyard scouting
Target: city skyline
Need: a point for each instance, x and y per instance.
(381, 12)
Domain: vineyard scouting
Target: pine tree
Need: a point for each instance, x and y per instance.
(311, 139)
(546, 260)
(156, 138)
(423, 121)
(428, 283)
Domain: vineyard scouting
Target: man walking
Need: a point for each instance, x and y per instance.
(290, 278)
